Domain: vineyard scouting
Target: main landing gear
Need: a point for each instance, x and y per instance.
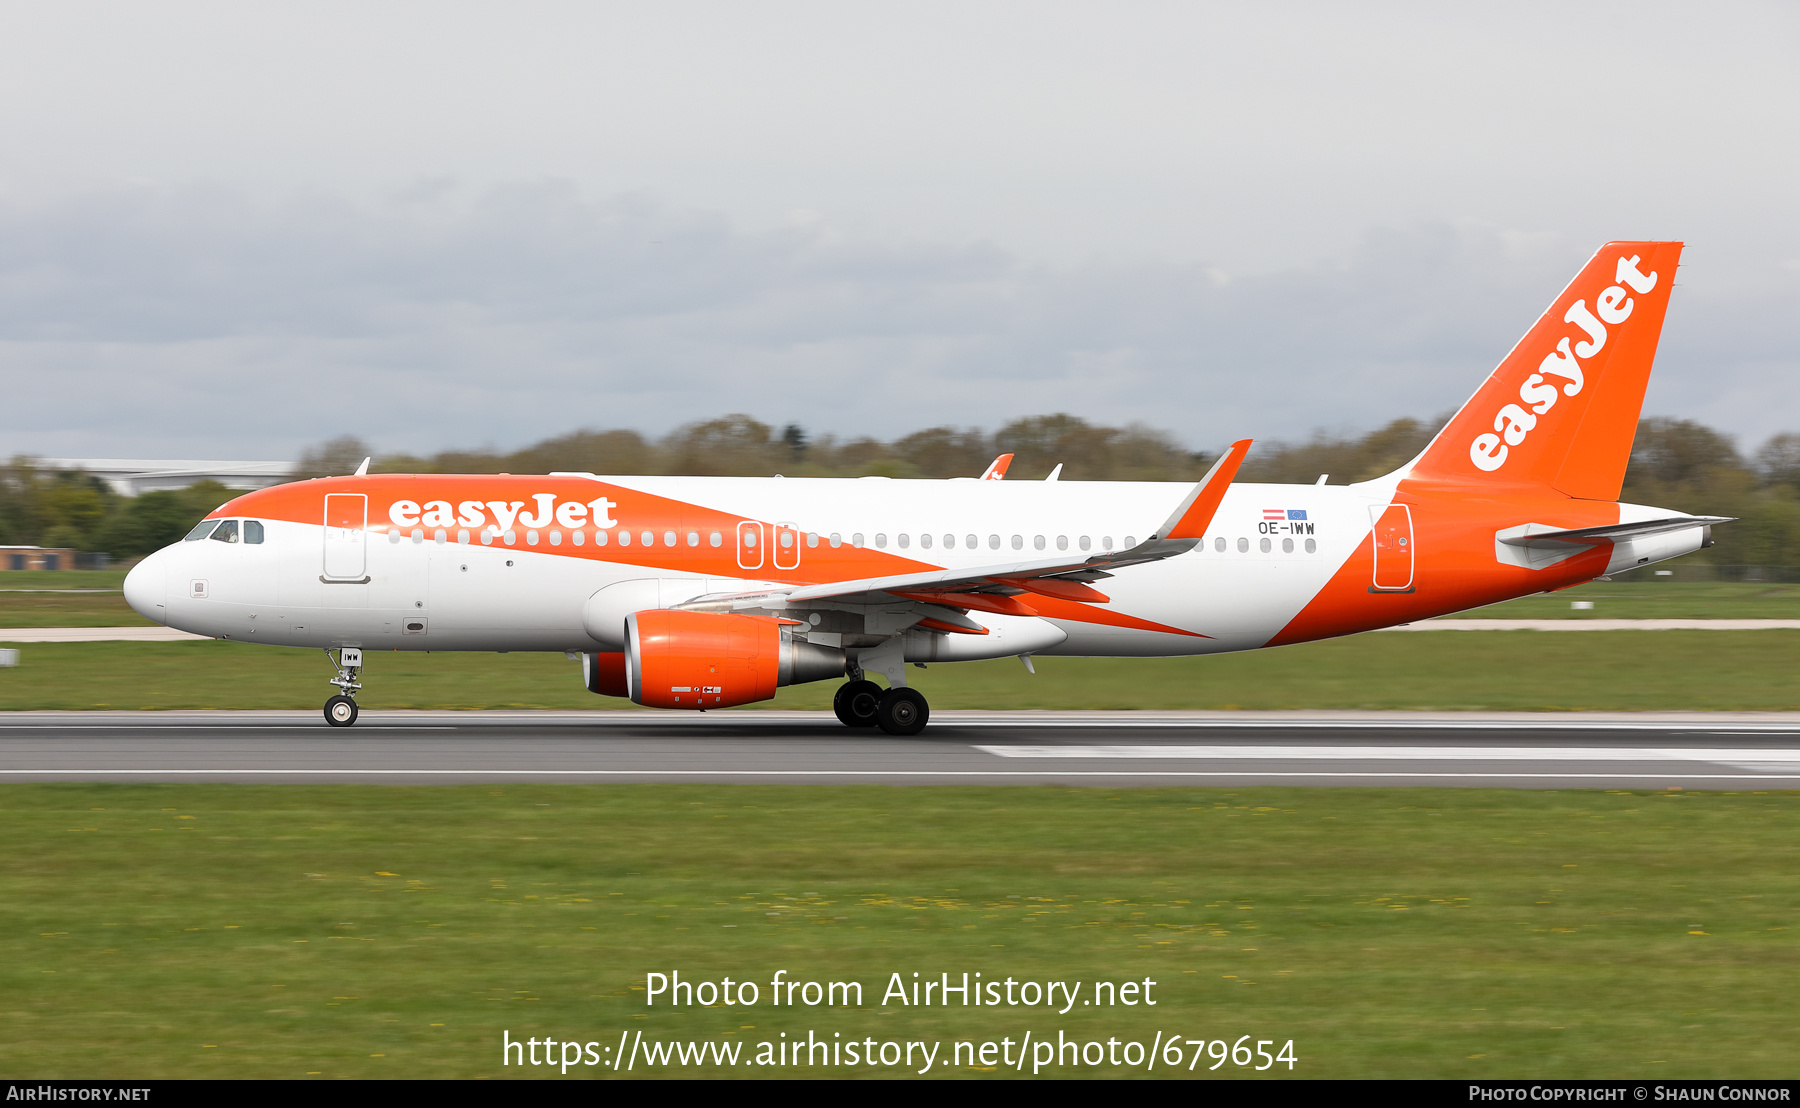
(340, 710)
(862, 703)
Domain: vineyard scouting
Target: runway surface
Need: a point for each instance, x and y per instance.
(1744, 751)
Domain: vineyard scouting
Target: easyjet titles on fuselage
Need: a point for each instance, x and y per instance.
(473, 513)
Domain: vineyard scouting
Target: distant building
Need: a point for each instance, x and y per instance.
(131, 476)
(37, 557)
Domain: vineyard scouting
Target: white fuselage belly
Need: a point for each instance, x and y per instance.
(503, 598)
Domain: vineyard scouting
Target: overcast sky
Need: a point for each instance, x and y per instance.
(233, 230)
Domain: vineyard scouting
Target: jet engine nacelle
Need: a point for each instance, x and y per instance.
(676, 659)
(604, 674)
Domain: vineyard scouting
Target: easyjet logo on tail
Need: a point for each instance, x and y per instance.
(1539, 392)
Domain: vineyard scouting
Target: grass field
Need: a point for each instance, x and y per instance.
(1504, 670)
(1643, 597)
(251, 931)
(27, 600)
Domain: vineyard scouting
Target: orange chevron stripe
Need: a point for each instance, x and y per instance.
(1052, 608)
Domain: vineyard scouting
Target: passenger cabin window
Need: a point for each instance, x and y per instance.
(253, 531)
(227, 532)
(201, 530)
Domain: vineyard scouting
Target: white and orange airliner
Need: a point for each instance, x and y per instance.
(708, 592)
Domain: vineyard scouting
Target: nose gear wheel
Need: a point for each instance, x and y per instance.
(340, 711)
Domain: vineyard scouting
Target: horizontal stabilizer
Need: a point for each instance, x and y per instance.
(1589, 536)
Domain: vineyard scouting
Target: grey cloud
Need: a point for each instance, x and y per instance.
(204, 322)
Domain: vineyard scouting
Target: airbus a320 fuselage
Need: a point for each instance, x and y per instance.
(709, 592)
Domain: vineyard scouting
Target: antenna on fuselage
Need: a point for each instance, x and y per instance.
(1055, 473)
(363, 470)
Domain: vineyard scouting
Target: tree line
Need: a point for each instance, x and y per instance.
(1677, 464)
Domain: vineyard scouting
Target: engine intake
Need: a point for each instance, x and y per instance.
(676, 659)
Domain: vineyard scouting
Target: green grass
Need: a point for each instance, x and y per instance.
(37, 598)
(1504, 670)
(360, 931)
(70, 609)
(62, 579)
(1641, 596)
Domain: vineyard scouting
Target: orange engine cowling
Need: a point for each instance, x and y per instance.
(677, 659)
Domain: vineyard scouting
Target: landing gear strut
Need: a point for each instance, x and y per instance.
(897, 710)
(340, 710)
(861, 703)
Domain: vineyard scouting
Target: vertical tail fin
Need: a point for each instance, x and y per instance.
(1561, 410)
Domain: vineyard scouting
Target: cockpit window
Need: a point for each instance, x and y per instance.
(253, 530)
(227, 532)
(201, 530)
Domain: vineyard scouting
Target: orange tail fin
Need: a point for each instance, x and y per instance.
(1562, 408)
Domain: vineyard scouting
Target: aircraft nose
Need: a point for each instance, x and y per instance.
(144, 588)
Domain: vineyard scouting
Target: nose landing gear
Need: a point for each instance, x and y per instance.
(340, 710)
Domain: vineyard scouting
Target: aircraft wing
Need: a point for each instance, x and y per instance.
(991, 588)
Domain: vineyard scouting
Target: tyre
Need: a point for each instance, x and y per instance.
(902, 712)
(340, 711)
(855, 703)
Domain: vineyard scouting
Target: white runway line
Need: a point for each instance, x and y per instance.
(97, 634)
(1754, 759)
(856, 773)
